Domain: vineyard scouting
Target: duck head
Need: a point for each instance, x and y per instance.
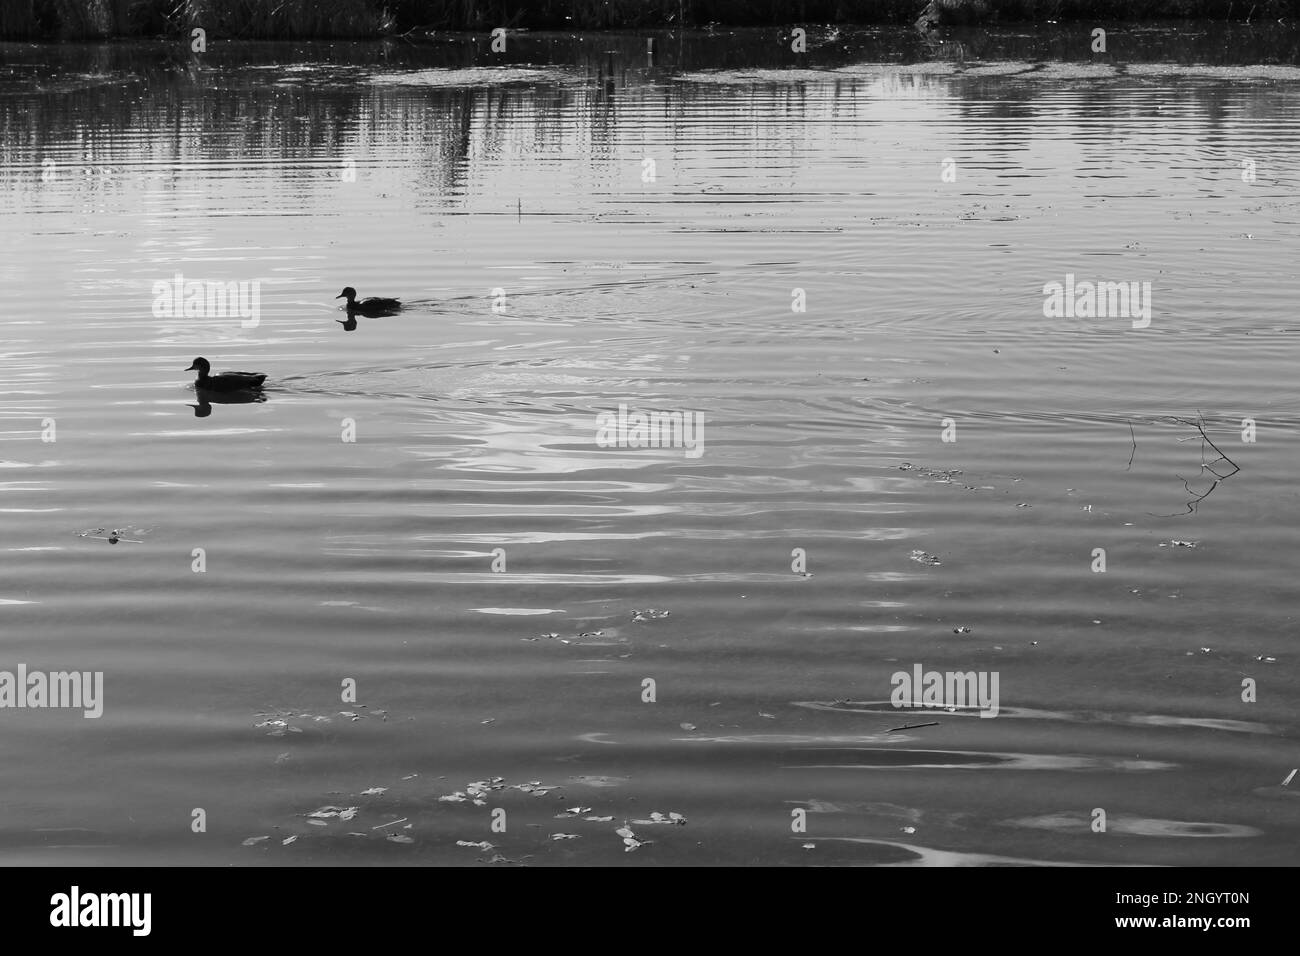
(348, 293)
(201, 366)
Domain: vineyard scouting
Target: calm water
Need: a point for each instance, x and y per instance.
(442, 172)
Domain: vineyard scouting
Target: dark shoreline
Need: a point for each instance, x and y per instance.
(56, 20)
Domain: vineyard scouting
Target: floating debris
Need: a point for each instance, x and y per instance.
(399, 838)
(391, 823)
(933, 723)
(676, 819)
(596, 780)
(572, 812)
(810, 846)
(287, 840)
(938, 474)
(962, 629)
(650, 614)
(909, 829)
(922, 557)
(598, 819)
(1289, 778)
(1266, 660)
(373, 790)
(253, 841)
(767, 716)
(483, 845)
(114, 535)
(564, 836)
(630, 842)
(687, 727)
(534, 787)
(324, 813)
(1178, 544)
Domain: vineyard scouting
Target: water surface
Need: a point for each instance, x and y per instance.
(440, 173)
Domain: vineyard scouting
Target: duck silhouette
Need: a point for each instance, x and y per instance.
(226, 381)
(372, 306)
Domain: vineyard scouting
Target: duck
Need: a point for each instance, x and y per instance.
(374, 305)
(226, 381)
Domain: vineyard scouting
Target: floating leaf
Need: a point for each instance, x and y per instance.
(373, 791)
(564, 836)
(399, 838)
(484, 845)
(686, 726)
(253, 841)
(287, 840)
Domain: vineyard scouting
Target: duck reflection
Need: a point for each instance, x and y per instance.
(350, 325)
(207, 398)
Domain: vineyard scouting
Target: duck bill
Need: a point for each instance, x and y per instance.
(192, 368)
(339, 296)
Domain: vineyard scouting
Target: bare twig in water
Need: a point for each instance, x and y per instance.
(1198, 497)
(1132, 438)
(933, 723)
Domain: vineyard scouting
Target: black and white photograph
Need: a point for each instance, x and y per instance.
(650, 435)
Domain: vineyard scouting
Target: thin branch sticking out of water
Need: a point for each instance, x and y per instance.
(1198, 497)
(1132, 438)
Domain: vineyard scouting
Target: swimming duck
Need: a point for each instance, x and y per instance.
(371, 306)
(226, 381)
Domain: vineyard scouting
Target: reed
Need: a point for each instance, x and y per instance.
(18, 20)
(287, 19)
(300, 19)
